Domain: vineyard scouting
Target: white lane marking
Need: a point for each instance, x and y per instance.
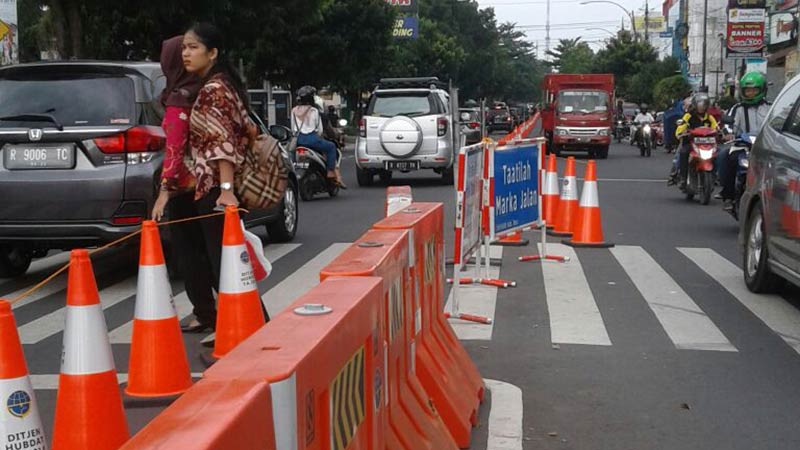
(774, 311)
(50, 381)
(297, 284)
(476, 299)
(686, 324)
(42, 328)
(505, 417)
(574, 316)
(124, 333)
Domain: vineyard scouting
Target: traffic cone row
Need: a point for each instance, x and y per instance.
(567, 210)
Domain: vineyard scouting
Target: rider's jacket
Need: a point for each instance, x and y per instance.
(694, 120)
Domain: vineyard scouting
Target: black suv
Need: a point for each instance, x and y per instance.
(82, 148)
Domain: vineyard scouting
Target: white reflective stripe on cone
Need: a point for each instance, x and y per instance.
(236, 272)
(569, 188)
(551, 184)
(20, 424)
(589, 197)
(154, 294)
(86, 348)
(284, 413)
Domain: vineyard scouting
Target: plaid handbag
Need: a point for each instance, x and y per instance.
(263, 177)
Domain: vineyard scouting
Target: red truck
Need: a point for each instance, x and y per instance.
(578, 112)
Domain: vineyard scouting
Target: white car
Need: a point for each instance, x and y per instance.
(408, 126)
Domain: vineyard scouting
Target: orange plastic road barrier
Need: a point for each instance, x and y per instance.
(324, 360)
(158, 366)
(513, 240)
(496, 282)
(89, 411)
(239, 312)
(443, 365)
(414, 421)
(470, 318)
(588, 230)
(398, 198)
(550, 192)
(213, 415)
(567, 211)
(20, 424)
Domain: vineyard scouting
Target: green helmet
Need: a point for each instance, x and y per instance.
(754, 80)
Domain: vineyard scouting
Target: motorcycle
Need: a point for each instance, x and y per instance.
(645, 140)
(312, 172)
(702, 154)
(740, 149)
(620, 130)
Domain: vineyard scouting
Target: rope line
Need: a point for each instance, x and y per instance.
(63, 268)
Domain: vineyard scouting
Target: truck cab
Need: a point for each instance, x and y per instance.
(578, 113)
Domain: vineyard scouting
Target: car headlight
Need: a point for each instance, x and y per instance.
(744, 162)
(561, 131)
(603, 132)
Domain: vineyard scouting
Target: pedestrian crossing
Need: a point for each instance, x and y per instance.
(573, 313)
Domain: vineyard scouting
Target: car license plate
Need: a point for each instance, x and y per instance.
(21, 157)
(584, 139)
(402, 165)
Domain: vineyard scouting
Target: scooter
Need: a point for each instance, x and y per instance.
(312, 172)
(646, 140)
(620, 130)
(702, 154)
(740, 149)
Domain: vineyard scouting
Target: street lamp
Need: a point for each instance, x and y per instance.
(629, 13)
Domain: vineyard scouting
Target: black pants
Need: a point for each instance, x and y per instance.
(728, 168)
(197, 246)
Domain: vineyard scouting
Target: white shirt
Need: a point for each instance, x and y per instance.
(756, 114)
(644, 118)
(306, 120)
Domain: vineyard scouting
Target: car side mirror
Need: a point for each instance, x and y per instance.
(280, 133)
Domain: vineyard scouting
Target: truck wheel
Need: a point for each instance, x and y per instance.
(14, 261)
(602, 153)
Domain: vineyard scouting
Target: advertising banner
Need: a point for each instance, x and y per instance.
(733, 4)
(406, 28)
(516, 188)
(9, 32)
(782, 29)
(745, 40)
(469, 201)
(655, 24)
(747, 15)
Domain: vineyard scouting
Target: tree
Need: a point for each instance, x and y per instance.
(670, 89)
(572, 56)
(626, 58)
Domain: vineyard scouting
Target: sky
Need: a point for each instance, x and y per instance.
(568, 18)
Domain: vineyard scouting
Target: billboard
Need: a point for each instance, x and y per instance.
(406, 26)
(782, 28)
(734, 4)
(745, 40)
(747, 15)
(9, 33)
(405, 6)
(655, 24)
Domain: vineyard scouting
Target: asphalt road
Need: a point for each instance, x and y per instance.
(636, 347)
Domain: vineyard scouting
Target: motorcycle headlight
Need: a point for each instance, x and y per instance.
(603, 132)
(646, 128)
(745, 163)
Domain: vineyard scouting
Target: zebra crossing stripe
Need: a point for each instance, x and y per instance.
(773, 310)
(347, 401)
(687, 326)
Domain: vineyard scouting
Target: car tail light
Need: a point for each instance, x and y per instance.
(474, 125)
(362, 127)
(126, 220)
(135, 140)
(442, 126)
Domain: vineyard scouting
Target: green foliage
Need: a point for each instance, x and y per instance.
(669, 89)
(572, 56)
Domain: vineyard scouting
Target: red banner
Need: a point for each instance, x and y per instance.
(745, 37)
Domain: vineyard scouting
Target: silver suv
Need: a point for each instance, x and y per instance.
(408, 126)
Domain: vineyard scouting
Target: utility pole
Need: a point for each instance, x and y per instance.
(547, 30)
(646, 22)
(705, 40)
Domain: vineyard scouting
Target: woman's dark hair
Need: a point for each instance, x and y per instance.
(212, 38)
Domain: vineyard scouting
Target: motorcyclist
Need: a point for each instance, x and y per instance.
(697, 117)
(642, 118)
(307, 122)
(748, 116)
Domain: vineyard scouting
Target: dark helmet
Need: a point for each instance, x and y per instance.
(643, 108)
(305, 95)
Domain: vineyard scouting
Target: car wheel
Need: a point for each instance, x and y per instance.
(448, 176)
(603, 153)
(386, 176)
(14, 261)
(364, 177)
(284, 227)
(757, 275)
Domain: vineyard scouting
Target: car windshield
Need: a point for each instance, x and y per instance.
(405, 104)
(582, 101)
(74, 100)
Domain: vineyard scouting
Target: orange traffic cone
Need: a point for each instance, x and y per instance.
(567, 210)
(89, 411)
(158, 365)
(588, 231)
(239, 312)
(550, 192)
(20, 424)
